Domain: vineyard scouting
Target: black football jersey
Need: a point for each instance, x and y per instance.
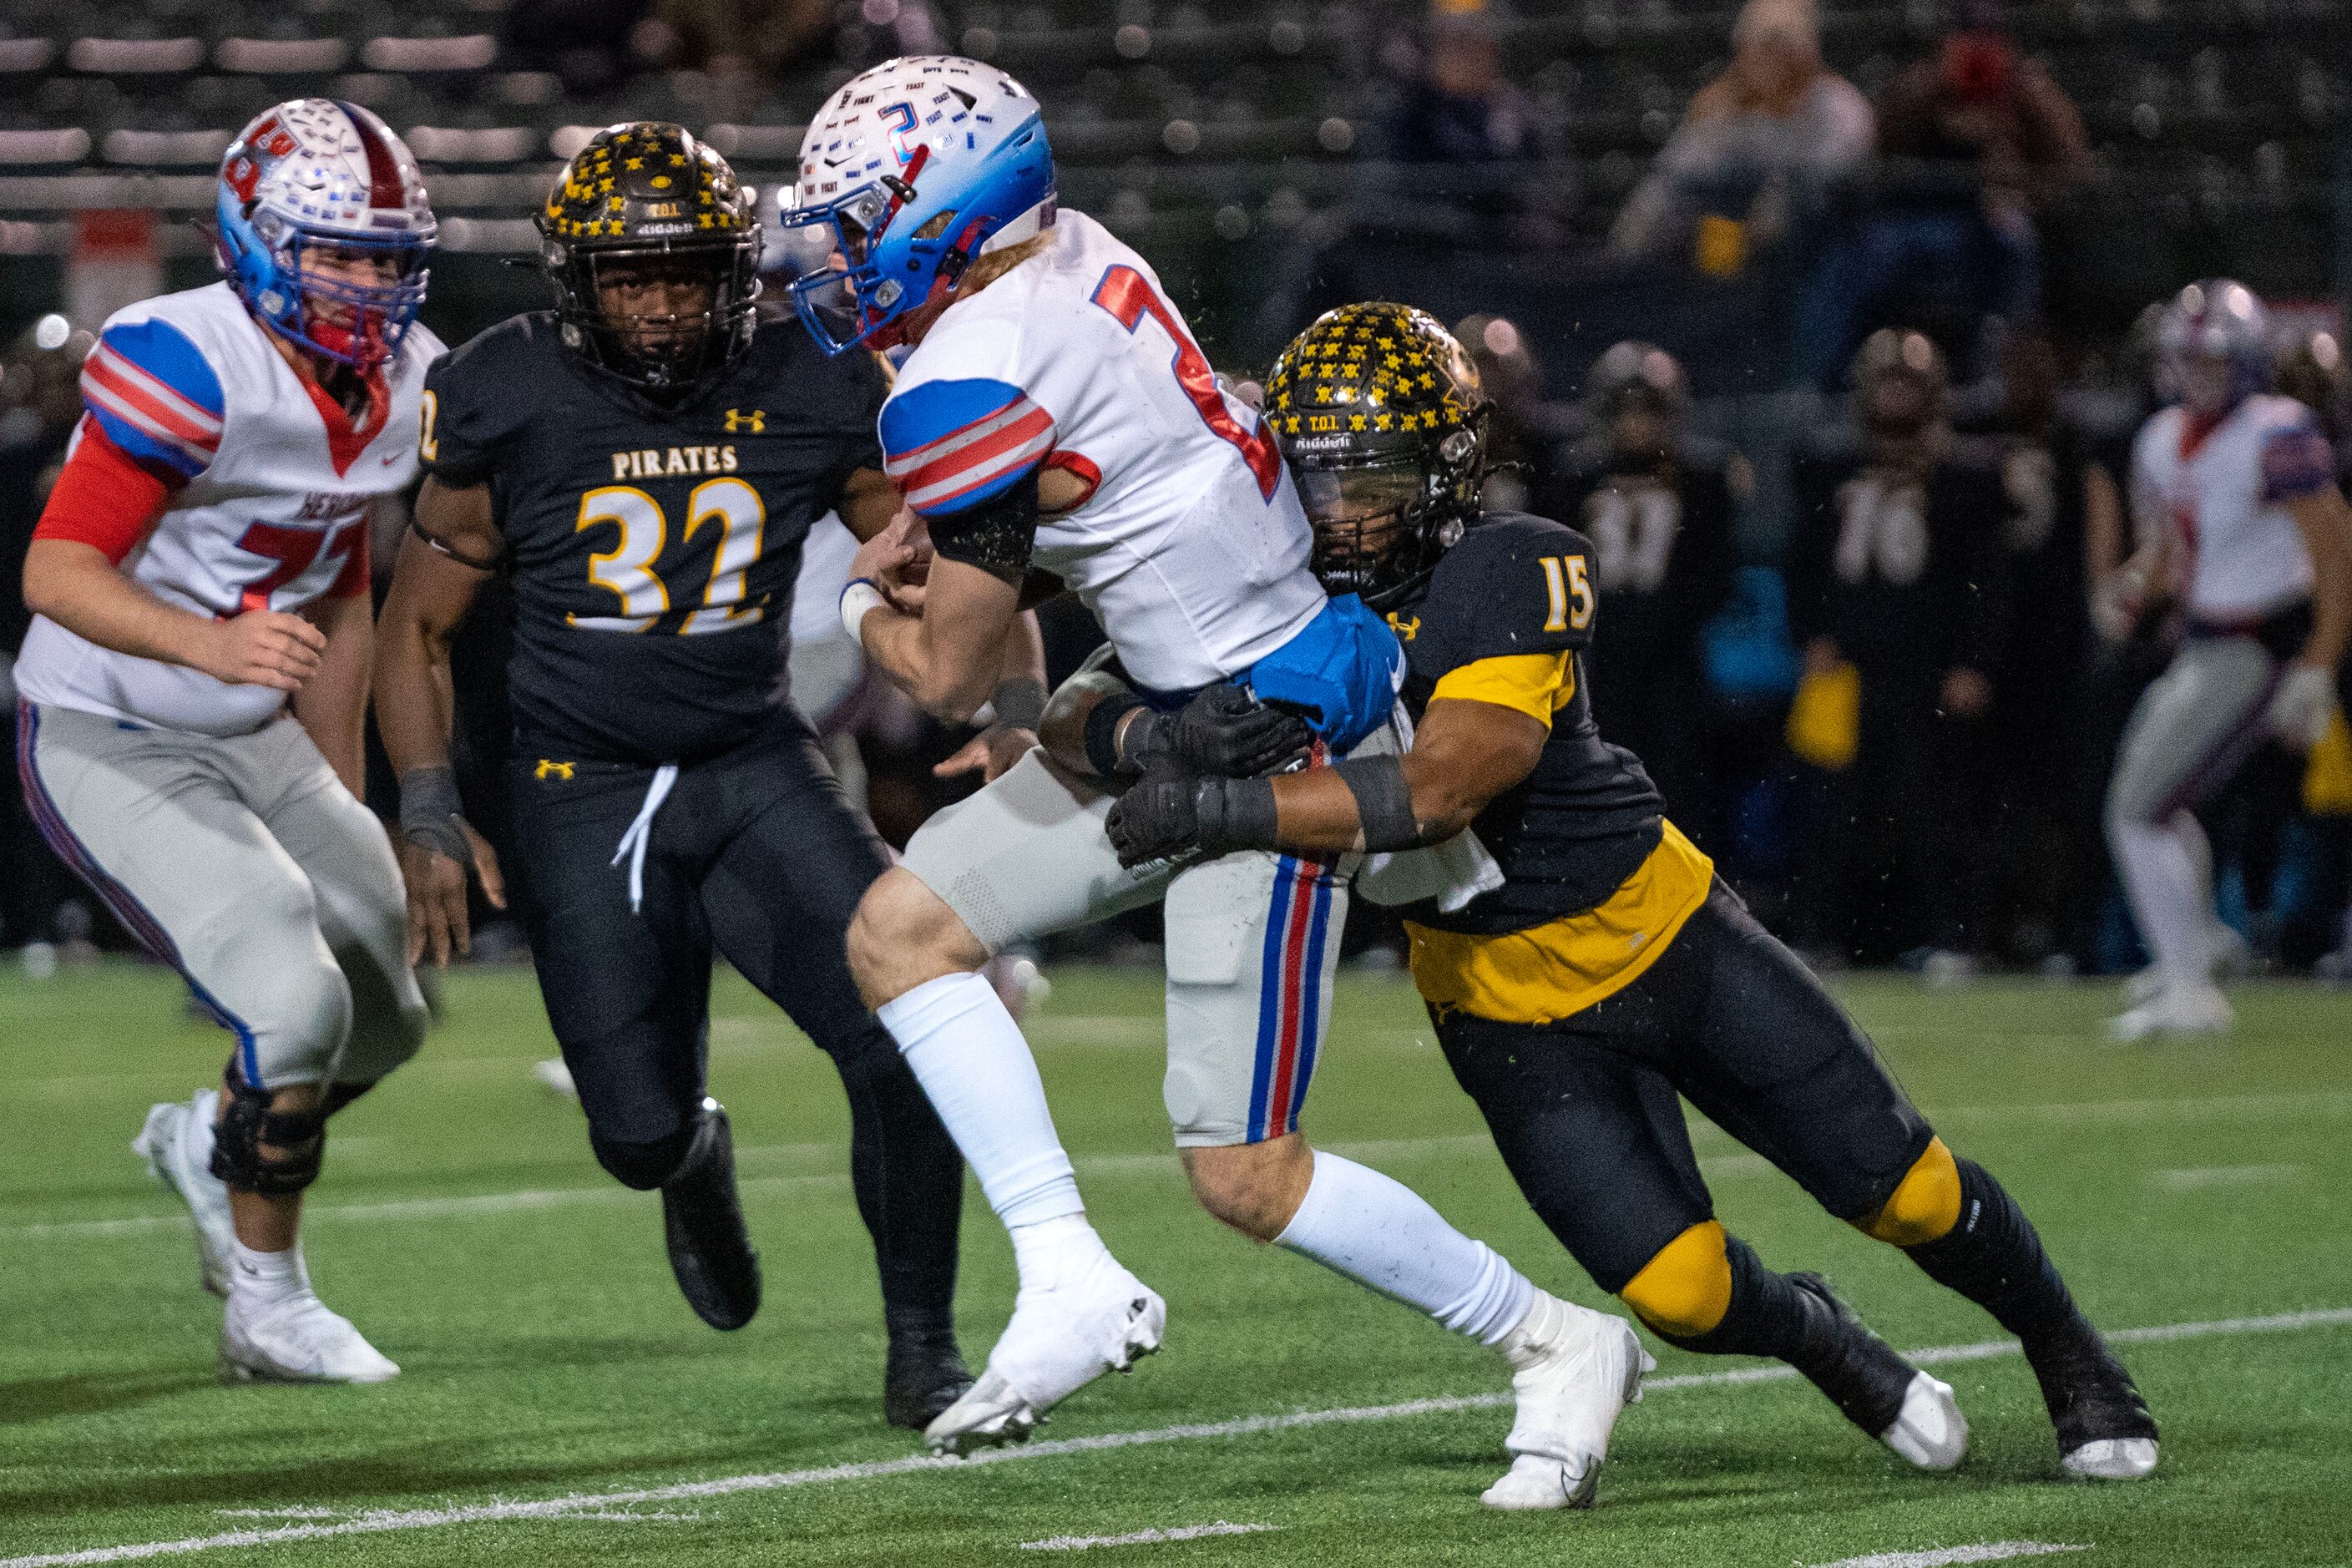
(1665, 554)
(1904, 570)
(652, 548)
(1588, 815)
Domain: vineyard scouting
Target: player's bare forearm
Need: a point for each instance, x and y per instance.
(332, 704)
(1063, 730)
(1024, 650)
(867, 502)
(1463, 754)
(2326, 524)
(431, 590)
(74, 584)
(78, 587)
(948, 658)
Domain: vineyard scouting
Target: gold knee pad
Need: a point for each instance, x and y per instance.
(1926, 1204)
(1686, 1289)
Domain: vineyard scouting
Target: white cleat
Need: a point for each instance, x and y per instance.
(2190, 1007)
(1929, 1431)
(296, 1339)
(555, 1078)
(1577, 1370)
(2113, 1459)
(1060, 1340)
(177, 1144)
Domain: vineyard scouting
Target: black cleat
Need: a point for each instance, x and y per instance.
(1877, 1390)
(925, 1371)
(702, 1219)
(2104, 1432)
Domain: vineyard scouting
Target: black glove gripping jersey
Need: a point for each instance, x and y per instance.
(1506, 618)
(653, 548)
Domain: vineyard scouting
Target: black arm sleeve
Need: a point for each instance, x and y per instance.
(996, 535)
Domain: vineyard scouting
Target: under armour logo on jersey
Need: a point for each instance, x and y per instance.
(553, 770)
(755, 422)
(1405, 630)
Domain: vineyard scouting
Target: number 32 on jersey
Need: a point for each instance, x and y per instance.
(631, 568)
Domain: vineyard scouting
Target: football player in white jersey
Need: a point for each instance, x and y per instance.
(1053, 413)
(195, 683)
(2234, 491)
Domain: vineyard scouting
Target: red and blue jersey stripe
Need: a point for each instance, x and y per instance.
(151, 392)
(951, 444)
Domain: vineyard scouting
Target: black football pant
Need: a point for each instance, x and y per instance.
(1586, 1109)
(757, 853)
(1584, 1112)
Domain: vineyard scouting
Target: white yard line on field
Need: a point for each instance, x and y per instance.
(1990, 1552)
(1734, 1164)
(1719, 1166)
(378, 1521)
(1144, 1537)
(2196, 1178)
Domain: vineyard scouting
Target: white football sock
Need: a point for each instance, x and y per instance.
(2171, 897)
(974, 1066)
(1048, 1252)
(1377, 1232)
(267, 1276)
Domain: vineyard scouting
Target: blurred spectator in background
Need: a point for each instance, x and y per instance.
(1463, 139)
(591, 45)
(1978, 138)
(1777, 125)
(1896, 595)
(2040, 855)
(1524, 431)
(40, 402)
(1661, 507)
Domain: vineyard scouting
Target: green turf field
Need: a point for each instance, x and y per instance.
(560, 1404)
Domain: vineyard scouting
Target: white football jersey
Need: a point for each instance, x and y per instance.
(1190, 545)
(2225, 499)
(279, 489)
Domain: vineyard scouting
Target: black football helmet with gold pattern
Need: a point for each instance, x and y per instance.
(647, 201)
(1379, 400)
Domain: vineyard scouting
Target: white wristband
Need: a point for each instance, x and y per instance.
(859, 596)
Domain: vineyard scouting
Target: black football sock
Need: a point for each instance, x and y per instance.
(1795, 1319)
(908, 1180)
(1993, 1256)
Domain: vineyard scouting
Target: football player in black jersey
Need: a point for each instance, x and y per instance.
(1605, 969)
(642, 463)
(1659, 505)
(1897, 581)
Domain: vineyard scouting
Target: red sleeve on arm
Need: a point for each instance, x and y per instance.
(353, 581)
(104, 497)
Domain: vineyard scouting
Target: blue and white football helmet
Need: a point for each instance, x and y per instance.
(318, 171)
(915, 166)
(2217, 318)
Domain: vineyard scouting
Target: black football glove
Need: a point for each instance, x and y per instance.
(1224, 732)
(1171, 811)
(1159, 817)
